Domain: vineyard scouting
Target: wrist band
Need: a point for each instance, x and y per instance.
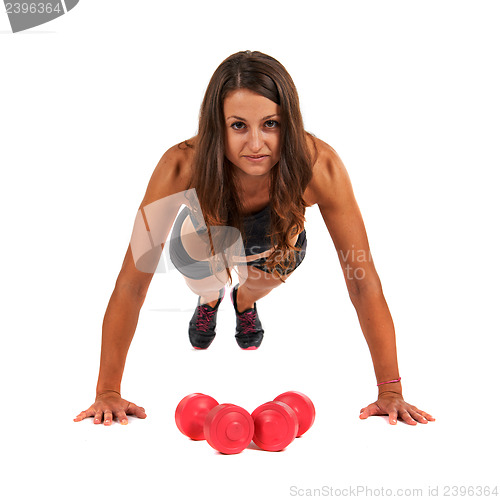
(390, 381)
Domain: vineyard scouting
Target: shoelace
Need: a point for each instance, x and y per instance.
(247, 322)
(204, 318)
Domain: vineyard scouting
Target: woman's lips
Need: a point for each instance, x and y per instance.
(256, 159)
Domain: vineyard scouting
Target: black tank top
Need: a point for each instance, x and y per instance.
(257, 228)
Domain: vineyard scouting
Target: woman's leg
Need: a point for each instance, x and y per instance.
(259, 282)
(190, 254)
(257, 285)
(205, 274)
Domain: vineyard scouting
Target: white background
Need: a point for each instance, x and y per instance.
(407, 94)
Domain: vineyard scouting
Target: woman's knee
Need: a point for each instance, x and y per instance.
(208, 285)
(258, 279)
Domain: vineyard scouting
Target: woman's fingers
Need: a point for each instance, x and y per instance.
(408, 413)
(138, 411)
(420, 415)
(426, 415)
(370, 410)
(405, 415)
(417, 415)
(79, 417)
(108, 417)
(393, 417)
(364, 413)
(122, 417)
(374, 409)
(103, 412)
(89, 412)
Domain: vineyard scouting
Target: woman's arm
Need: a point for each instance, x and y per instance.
(339, 209)
(153, 222)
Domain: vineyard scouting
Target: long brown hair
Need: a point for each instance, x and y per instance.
(213, 177)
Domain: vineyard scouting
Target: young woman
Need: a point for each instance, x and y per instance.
(246, 179)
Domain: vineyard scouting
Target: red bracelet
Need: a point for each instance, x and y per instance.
(390, 381)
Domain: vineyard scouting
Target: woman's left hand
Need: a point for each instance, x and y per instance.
(393, 404)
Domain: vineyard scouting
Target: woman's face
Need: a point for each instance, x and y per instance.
(252, 129)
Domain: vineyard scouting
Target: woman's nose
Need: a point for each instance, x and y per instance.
(255, 141)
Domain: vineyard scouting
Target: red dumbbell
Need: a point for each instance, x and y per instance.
(279, 422)
(303, 408)
(227, 428)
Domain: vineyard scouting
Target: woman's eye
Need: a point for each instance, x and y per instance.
(268, 124)
(273, 122)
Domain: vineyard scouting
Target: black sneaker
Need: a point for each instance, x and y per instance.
(203, 322)
(249, 332)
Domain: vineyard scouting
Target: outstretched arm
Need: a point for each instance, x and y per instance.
(340, 211)
(152, 225)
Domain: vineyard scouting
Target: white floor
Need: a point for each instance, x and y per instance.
(330, 363)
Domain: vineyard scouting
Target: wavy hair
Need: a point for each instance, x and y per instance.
(213, 176)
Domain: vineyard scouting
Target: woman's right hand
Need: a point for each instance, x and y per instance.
(108, 405)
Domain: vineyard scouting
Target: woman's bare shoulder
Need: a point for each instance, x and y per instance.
(172, 173)
(325, 160)
(318, 146)
(177, 162)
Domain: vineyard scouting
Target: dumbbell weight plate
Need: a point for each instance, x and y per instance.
(302, 406)
(228, 428)
(191, 412)
(276, 426)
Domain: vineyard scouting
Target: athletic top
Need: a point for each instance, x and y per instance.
(257, 228)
